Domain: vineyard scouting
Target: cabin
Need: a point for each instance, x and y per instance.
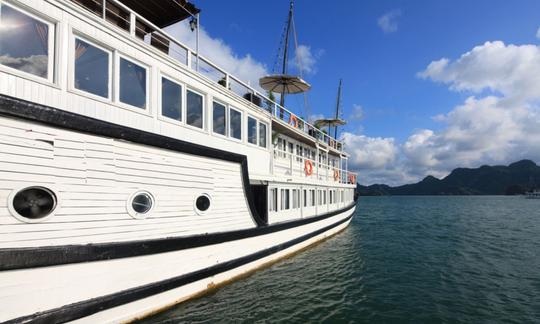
(112, 60)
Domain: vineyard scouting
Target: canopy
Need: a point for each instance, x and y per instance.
(284, 84)
(163, 13)
(329, 122)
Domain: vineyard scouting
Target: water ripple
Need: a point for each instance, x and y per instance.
(402, 260)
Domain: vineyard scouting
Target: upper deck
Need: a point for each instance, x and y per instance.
(133, 42)
(119, 14)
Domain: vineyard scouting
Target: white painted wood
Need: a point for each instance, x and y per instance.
(61, 285)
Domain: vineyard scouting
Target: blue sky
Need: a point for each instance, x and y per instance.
(380, 60)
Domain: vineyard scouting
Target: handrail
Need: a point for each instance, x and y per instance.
(295, 162)
(220, 76)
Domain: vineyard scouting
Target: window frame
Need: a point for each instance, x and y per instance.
(203, 95)
(160, 100)
(256, 130)
(52, 43)
(229, 132)
(226, 135)
(74, 36)
(259, 135)
(118, 56)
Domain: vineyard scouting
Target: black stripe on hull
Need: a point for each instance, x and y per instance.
(18, 108)
(89, 307)
(24, 258)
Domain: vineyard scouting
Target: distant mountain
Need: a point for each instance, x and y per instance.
(514, 179)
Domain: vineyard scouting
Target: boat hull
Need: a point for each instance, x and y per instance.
(125, 289)
(93, 261)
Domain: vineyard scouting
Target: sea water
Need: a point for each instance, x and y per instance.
(402, 260)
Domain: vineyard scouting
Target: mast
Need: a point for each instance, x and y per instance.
(285, 52)
(338, 103)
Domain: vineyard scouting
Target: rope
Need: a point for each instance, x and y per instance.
(279, 55)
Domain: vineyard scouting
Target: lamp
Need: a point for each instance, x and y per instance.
(193, 23)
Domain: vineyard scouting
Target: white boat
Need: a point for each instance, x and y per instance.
(534, 194)
(135, 173)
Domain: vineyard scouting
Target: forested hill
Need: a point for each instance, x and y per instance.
(516, 178)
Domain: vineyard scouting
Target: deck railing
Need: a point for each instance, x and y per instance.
(123, 17)
(294, 165)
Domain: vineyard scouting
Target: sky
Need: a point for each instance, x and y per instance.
(428, 85)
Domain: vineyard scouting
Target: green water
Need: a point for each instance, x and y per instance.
(402, 260)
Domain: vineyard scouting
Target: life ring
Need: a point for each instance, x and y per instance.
(293, 120)
(336, 175)
(308, 167)
(352, 178)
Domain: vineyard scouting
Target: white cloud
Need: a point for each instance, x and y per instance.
(538, 33)
(357, 112)
(388, 22)
(499, 126)
(244, 67)
(305, 60)
(499, 123)
(369, 152)
(511, 70)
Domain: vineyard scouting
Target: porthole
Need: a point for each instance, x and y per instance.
(32, 204)
(202, 204)
(140, 204)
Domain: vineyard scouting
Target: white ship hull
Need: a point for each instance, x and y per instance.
(94, 263)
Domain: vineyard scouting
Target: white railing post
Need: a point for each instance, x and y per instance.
(132, 24)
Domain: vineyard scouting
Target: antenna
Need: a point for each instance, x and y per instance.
(338, 104)
(286, 50)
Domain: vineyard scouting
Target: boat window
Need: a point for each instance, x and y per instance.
(285, 199)
(252, 130)
(235, 124)
(171, 99)
(295, 198)
(132, 84)
(312, 194)
(330, 197)
(262, 135)
(281, 147)
(299, 153)
(194, 109)
(218, 122)
(92, 72)
(305, 198)
(25, 42)
(324, 197)
(33, 204)
(273, 200)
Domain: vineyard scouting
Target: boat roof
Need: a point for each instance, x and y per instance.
(163, 13)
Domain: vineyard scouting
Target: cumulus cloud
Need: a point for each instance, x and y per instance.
(244, 67)
(369, 152)
(388, 22)
(305, 59)
(511, 70)
(498, 123)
